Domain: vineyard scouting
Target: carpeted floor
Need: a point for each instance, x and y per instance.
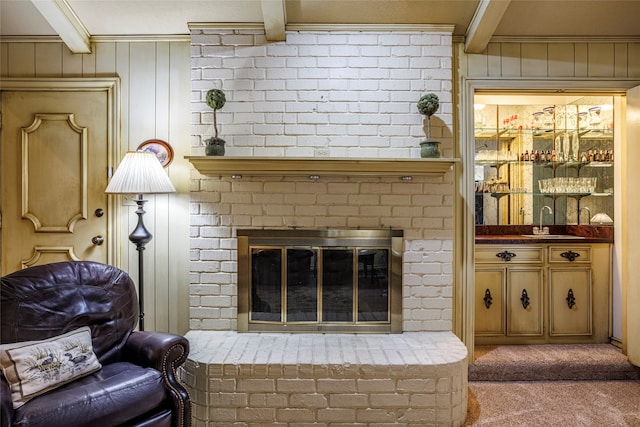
(551, 362)
(553, 385)
(554, 404)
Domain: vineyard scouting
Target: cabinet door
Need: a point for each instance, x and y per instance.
(489, 301)
(570, 301)
(524, 301)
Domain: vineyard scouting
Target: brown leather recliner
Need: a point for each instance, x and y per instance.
(137, 384)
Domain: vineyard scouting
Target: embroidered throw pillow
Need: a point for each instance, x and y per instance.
(34, 367)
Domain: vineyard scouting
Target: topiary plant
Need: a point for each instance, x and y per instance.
(215, 99)
(427, 106)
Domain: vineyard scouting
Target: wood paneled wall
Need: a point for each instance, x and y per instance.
(589, 64)
(155, 84)
(553, 60)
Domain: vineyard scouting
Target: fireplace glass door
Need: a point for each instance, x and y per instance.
(318, 285)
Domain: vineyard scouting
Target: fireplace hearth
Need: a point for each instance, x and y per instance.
(319, 280)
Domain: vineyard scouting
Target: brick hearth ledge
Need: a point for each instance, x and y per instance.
(249, 379)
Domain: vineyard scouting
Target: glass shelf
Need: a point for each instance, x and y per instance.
(578, 135)
(551, 164)
(498, 195)
(493, 133)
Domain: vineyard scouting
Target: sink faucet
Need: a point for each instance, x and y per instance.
(541, 212)
(580, 211)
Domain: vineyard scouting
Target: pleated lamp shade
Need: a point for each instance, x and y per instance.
(602, 219)
(140, 172)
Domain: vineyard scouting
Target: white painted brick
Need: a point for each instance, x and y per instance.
(261, 71)
(332, 38)
(262, 415)
(301, 38)
(295, 415)
(214, 324)
(333, 415)
(375, 417)
(282, 50)
(362, 61)
(308, 400)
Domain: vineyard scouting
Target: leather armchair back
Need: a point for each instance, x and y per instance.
(48, 300)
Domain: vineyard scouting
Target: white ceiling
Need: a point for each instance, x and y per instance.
(508, 18)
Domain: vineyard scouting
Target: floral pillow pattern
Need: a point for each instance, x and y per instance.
(34, 367)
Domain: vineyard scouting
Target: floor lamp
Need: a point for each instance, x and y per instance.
(140, 172)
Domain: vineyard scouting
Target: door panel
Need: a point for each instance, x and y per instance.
(570, 301)
(489, 302)
(524, 302)
(54, 172)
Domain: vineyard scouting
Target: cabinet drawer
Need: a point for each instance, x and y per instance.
(570, 254)
(492, 254)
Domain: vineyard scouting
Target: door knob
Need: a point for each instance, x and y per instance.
(99, 212)
(97, 240)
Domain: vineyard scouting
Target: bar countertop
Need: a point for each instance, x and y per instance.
(523, 234)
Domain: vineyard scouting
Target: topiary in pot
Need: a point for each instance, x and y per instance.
(215, 100)
(427, 106)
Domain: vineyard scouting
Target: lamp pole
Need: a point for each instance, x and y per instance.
(140, 236)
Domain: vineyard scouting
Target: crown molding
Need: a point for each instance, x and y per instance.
(138, 38)
(31, 39)
(573, 39)
(432, 28)
(225, 26)
(143, 38)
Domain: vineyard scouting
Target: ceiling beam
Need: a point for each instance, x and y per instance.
(65, 22)
(484, 22)
(273, 13)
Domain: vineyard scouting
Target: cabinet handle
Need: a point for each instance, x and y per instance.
(571, 299)
(524, 299)
(570, 255)
(505, 255)
(488, 299)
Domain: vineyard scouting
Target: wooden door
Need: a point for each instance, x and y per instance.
(54, 158)
(630, 241)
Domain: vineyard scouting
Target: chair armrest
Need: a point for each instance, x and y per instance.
(158, 350)
(164, 352)
(6, 404)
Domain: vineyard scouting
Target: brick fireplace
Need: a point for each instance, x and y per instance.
(336, 94)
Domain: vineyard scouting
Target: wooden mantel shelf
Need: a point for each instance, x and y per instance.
(306, 166)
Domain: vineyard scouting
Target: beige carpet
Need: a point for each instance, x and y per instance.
(553, 386)
(554, 404)
(551, 362)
